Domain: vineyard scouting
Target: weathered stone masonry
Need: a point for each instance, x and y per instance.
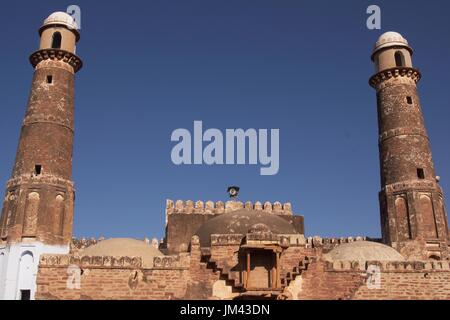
(413, 215)
(37, 214)
(217, 250)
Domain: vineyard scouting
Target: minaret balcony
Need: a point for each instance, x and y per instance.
(56, 54)
(396, 72)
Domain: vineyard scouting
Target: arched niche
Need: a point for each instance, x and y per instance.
(31, 214)
(403, 222)
(428, 219)
(59, 212)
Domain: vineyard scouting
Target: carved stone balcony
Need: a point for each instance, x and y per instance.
(56, 54)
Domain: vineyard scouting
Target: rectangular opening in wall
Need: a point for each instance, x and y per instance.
(409, 100)
(37, 169)
(25, 294)
(50, 79)
(420, 173)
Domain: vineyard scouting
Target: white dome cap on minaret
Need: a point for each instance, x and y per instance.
(63, 18)
(391, 39)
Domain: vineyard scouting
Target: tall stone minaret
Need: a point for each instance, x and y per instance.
(413, 215)
(37, 210)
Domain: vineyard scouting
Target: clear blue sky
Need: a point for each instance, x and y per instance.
(157, 65)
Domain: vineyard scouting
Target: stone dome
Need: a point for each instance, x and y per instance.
(363, 251)
(389, 39)
(124, 247)
(243, 222)
(61, 18)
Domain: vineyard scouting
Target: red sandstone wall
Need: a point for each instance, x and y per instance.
(318, 284)
(323, 282)
(111, 284)
(409, 286)
(189, 277)
(105, 278)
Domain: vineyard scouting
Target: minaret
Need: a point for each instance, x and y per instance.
(413, 215)
(37, 210)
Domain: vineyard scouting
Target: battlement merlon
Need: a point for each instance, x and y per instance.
(219, 207)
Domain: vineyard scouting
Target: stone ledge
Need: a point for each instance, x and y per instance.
(401, 132)
(47, 179)
(57, 121)
(226, 239)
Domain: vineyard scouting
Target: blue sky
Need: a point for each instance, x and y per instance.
(154, 66)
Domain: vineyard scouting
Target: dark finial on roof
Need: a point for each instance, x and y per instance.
(233, 191)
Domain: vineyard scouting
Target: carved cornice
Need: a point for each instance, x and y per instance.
(56, 54)
(402, 131)
(83, 243)
(226, 239)
(267, 238)
(44, 118)
(390, 266)
(64, 260)
(44, 179)
(317, 241)
(423, 185)
(171, 262)
(396, 72)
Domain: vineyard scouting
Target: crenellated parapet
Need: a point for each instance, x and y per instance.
(319, 242)
(389, 266)
(285, 240)
(180, 261)
(226, 239)
(64, 260)
(219, 207)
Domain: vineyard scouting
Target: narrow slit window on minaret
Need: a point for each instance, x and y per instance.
(420, 173)
(409, 100)
(49, 79)
(37, 169)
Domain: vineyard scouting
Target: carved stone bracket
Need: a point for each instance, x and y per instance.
(56, 54)
(396, 72)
